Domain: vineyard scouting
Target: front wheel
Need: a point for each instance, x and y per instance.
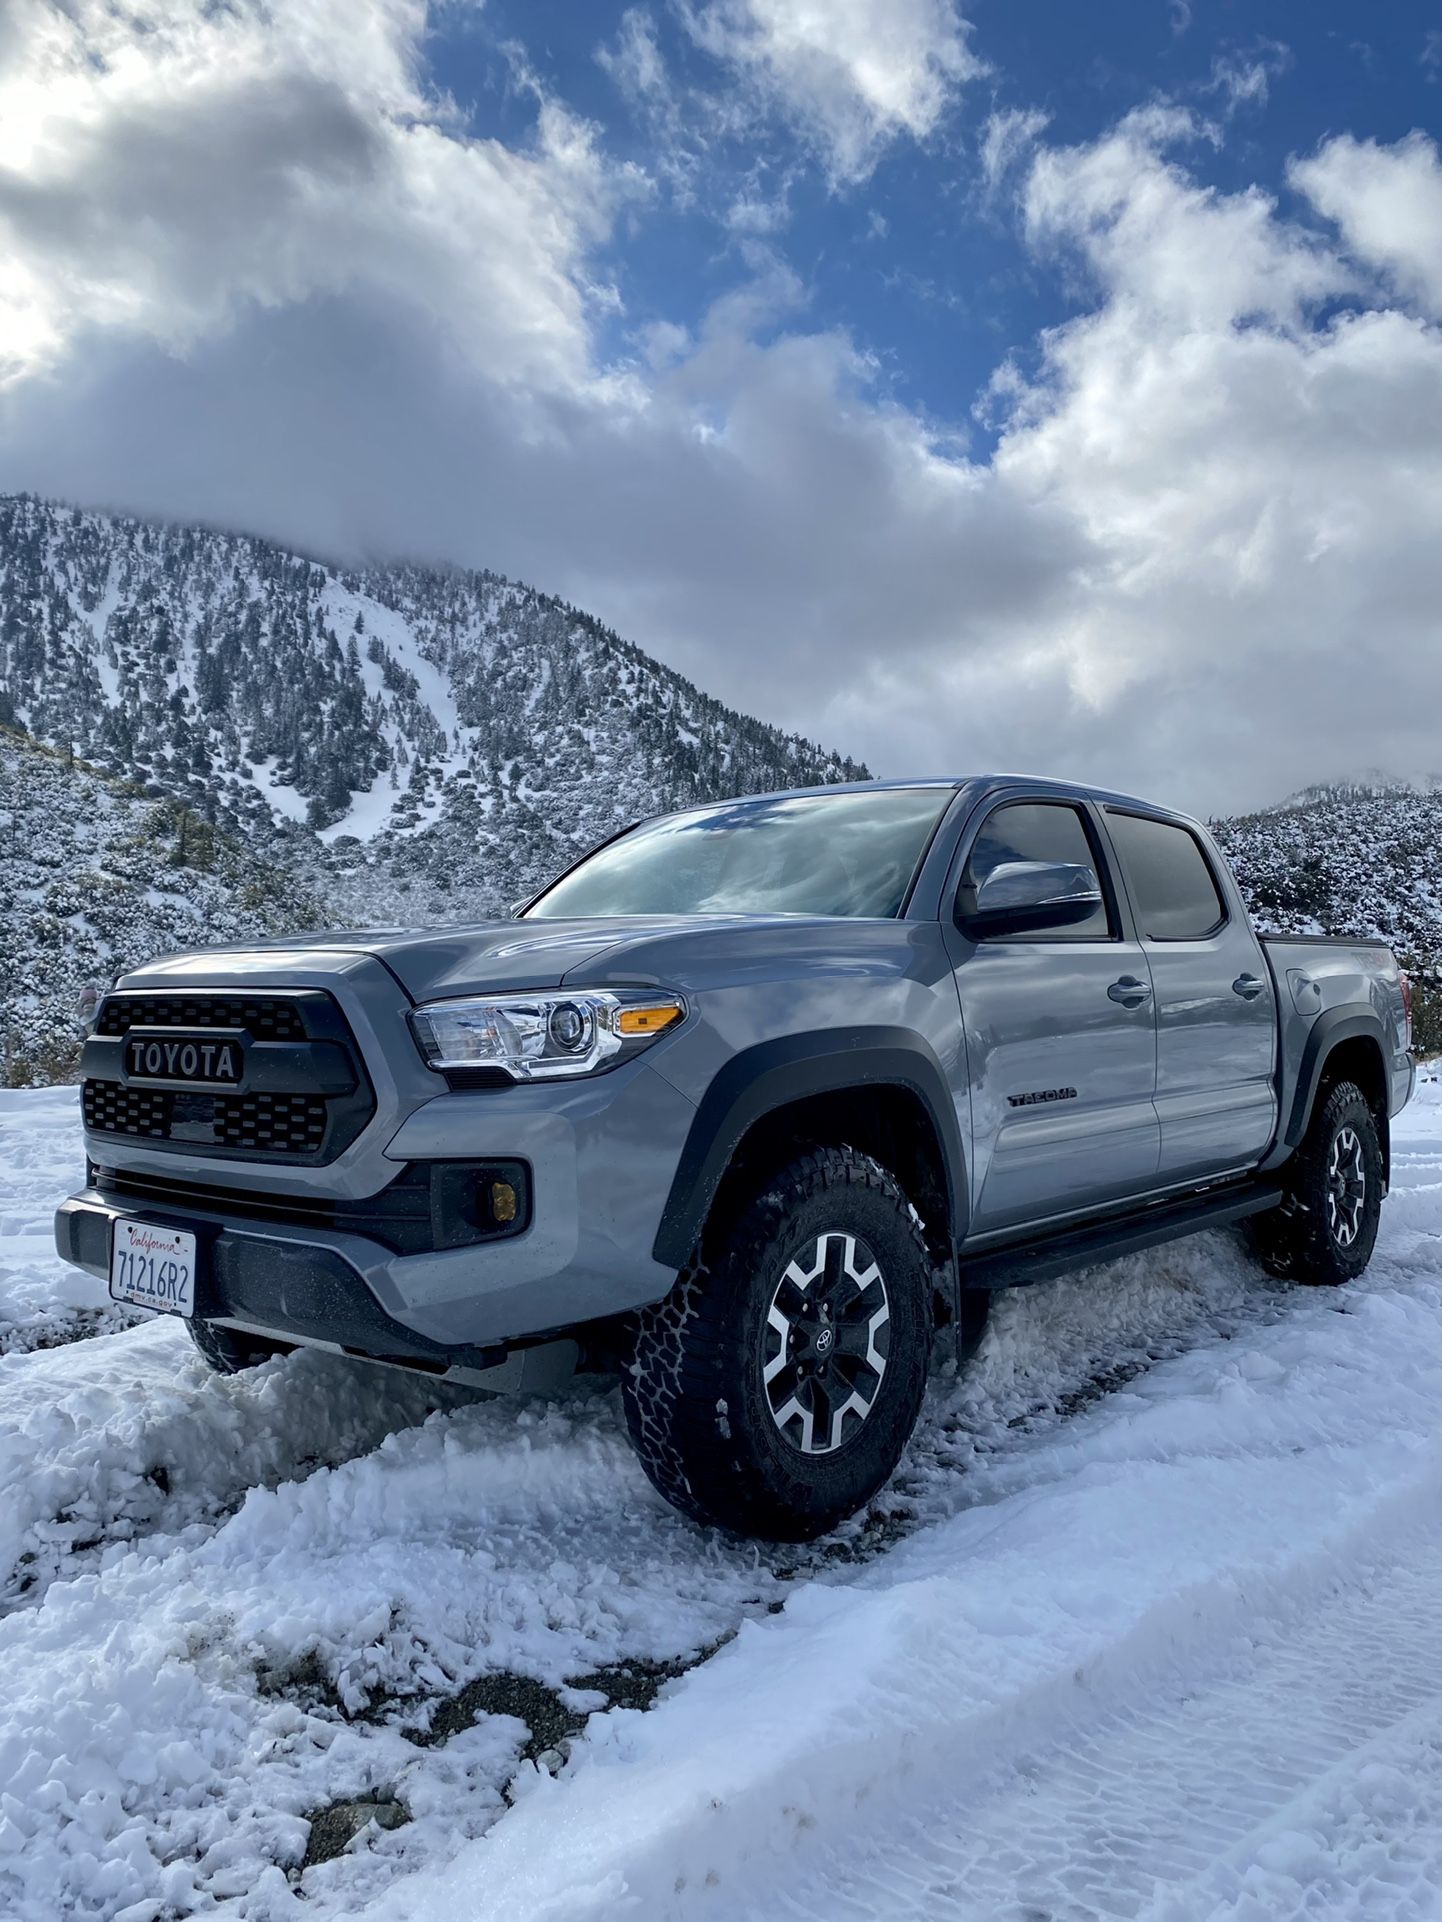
(1325, 1230)
(774, 1388)
(229, 1352)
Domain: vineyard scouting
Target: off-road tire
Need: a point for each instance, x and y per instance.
(1325, 1230)
(694, 1390)
(229, 1352)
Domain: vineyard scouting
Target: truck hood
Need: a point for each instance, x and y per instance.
(486, 957)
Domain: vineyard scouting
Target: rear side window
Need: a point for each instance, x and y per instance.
(1171, 885)
(1035, 831)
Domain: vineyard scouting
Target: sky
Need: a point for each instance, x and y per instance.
(1027, 385)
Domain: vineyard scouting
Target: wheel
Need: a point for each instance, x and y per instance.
(773, 1390)
(229, 1352)
(1325, 1229)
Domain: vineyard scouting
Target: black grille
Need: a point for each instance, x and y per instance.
(266, 1019)
(115, 1110)
(303, 1097)
(291, 1123)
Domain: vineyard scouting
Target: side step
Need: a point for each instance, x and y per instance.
(1070, 1248)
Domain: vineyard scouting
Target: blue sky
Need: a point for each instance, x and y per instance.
(961, 384)
(918, 259)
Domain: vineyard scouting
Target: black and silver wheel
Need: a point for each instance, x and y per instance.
(774, 1389)
(229, 1352)
(1346, 1187)
(828, 1334)
(1326, 1228)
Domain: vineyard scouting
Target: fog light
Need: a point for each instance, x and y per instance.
(504, 1201)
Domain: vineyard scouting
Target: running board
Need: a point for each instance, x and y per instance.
(1107, 1240)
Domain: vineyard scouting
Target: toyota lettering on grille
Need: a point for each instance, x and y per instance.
(198, 1058)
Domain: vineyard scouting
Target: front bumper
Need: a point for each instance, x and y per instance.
(601, 1155)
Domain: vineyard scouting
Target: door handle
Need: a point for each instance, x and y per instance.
(1129, 991)
(1248, 986)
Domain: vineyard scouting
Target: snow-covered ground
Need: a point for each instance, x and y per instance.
(1148, 1626)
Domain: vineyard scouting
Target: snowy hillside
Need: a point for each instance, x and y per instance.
(1356, 860)
(93, 879)
(415, 745)
(444, 734)
(1146, 1627)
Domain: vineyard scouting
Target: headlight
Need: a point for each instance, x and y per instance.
(542, 1037)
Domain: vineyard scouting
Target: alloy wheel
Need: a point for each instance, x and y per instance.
(826, 1343)
(1346, 1187)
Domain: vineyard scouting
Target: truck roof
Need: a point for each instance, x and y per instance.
(982, 784)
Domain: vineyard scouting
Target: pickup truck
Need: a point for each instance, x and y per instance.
(752, 1106)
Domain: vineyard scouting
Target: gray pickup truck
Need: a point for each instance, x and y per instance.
(752, 1106)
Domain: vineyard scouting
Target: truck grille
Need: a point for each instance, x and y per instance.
(112, 1109)
(313, 1096)
(265, 1019)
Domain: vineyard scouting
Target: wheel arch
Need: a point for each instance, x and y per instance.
(882, 1092)
(1344, 1044)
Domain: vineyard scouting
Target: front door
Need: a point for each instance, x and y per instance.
(1216, 1009)
(1060, 1039)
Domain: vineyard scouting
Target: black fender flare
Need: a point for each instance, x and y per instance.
(1351, 1021)
(771, 1075)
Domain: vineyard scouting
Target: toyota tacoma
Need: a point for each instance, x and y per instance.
(752, 1106)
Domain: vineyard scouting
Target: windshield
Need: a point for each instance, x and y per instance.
(844, 854)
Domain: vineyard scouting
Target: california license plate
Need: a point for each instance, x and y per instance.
(153, 1267)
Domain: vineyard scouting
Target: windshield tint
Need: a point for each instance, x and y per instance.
(845, 854)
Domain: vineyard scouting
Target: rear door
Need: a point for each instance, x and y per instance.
(1216, 1009)
(1060, 1041)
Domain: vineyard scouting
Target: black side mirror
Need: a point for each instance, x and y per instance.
(1030, 897)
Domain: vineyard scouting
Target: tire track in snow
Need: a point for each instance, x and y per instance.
(1131, 1810)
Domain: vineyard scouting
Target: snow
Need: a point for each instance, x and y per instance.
(1146, 1626)
(286, 800)
(42, 1300)
(369, 811)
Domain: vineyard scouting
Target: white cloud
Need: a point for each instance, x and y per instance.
(165, 166)
(1007, 138)
(854, 75)
(1388, 203)
(1188, 256)
(635, 61)
(1201, 560)
(1244, 79)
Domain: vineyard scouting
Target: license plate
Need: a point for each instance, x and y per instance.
(153, 1267)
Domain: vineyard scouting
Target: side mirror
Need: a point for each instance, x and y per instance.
(1030, 896)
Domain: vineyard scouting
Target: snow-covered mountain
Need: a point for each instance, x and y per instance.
(94, 878)
(1352, 859)
(248, 739)
(434, 733)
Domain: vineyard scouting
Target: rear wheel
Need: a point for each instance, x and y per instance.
(773, 1390)
(1325, 1230)
(229, 1352)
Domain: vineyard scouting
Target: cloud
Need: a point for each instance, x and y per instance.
(165, 167)
(1388, 203)
(1007, 137)
(1245, 79)
(853, 75)
(1200, 560)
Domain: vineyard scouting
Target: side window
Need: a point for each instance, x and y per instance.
(1036, 831)
(1172, 888)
